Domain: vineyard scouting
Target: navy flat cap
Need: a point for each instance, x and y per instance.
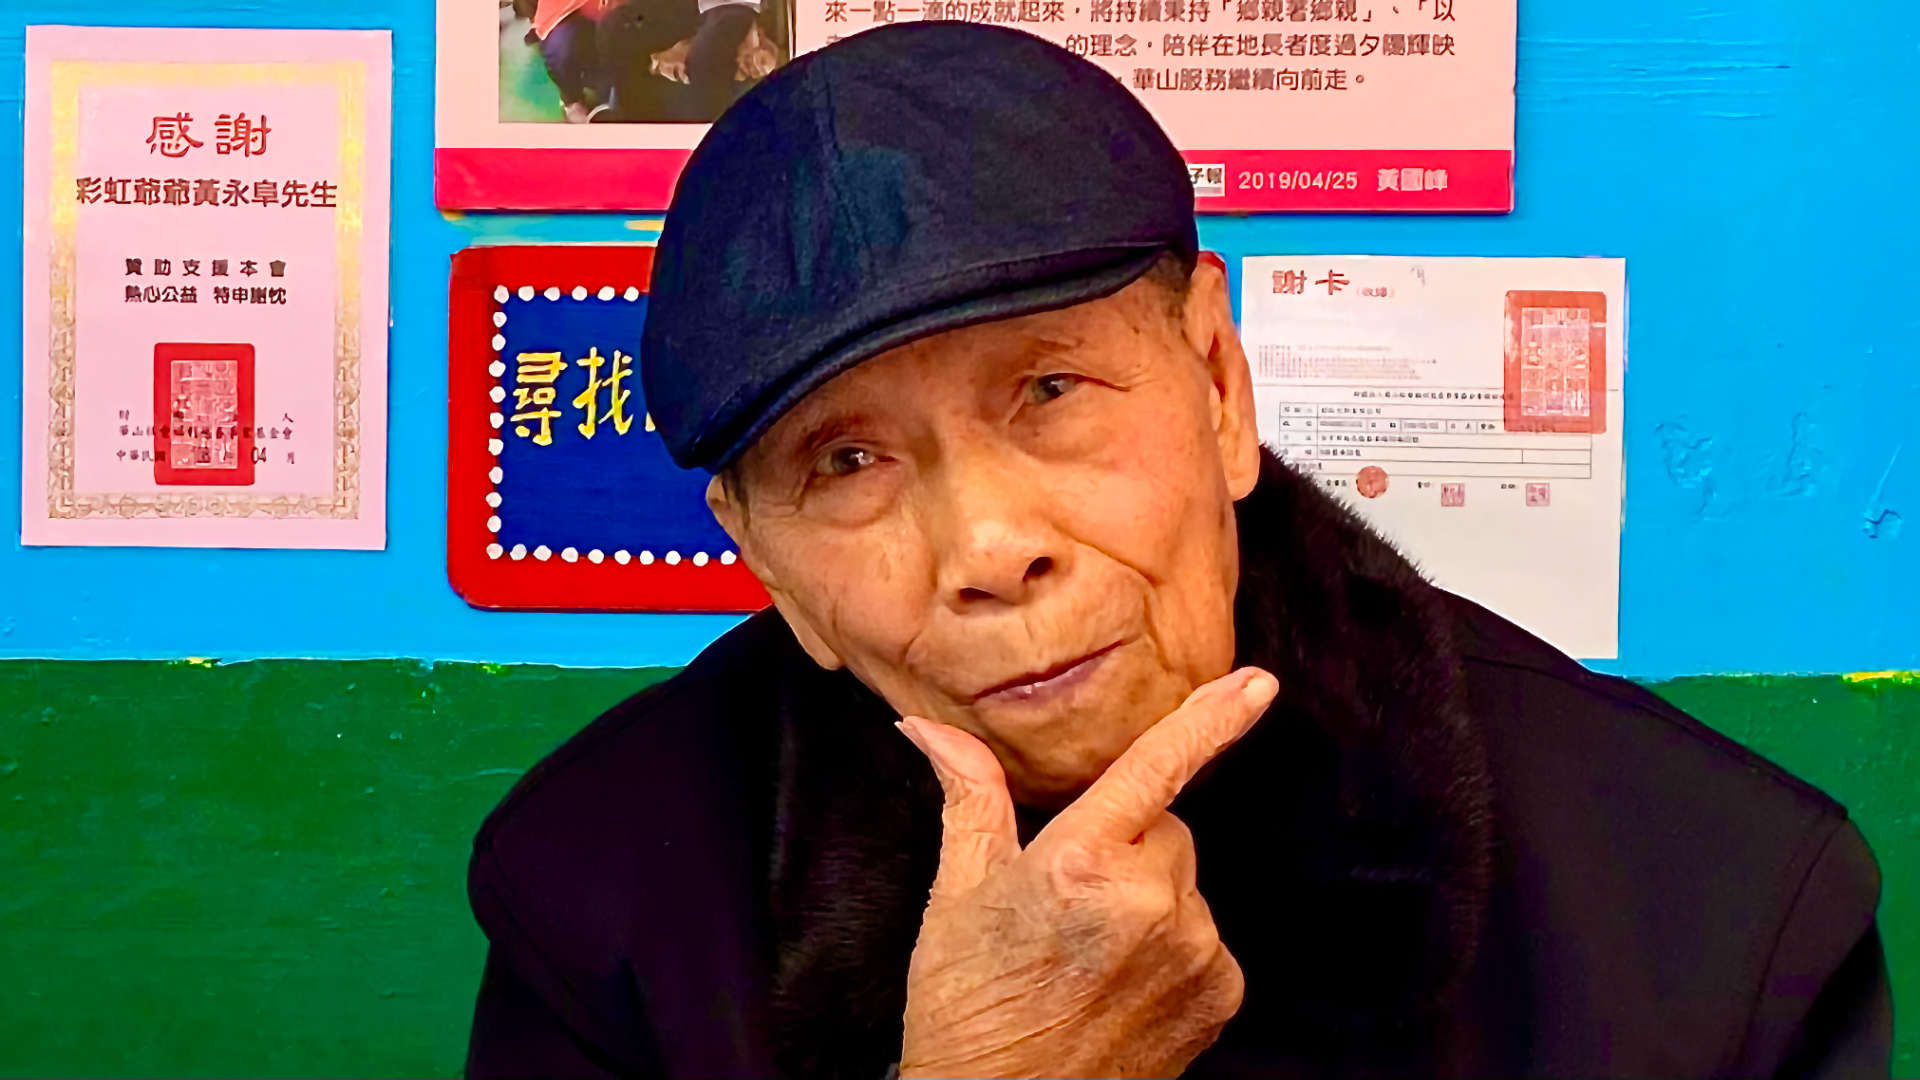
(904, 181)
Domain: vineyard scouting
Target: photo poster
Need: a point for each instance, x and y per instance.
(204, 249)
(1278, 105)
(1470, 409)
(560, 494)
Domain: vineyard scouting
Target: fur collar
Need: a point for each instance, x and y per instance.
(1343, 844)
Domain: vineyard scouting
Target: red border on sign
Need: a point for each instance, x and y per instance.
(1516, 417)
(510, 178)
(164, 470)
(1354, 181)
(492, 580)
(1476, 181)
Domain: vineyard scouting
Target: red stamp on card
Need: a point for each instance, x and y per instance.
(1453, 494)
(203, 414)
(1556, 362)
(1372, 482)
(1539, 494)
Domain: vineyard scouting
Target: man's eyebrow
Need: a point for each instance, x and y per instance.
(1040, 348)
(824, 431)
(1046, 345)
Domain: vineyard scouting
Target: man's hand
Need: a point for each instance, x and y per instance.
(1090, 953)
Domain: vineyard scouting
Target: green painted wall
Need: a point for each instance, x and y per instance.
(258, 869)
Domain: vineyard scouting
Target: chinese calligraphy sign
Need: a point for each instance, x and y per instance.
(192, 379)
(560, 495)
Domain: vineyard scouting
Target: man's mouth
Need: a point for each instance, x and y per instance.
(1040, 686)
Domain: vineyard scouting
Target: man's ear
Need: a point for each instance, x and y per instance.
(733, 518)
(1209, 329)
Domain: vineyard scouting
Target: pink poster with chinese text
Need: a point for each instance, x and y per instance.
(205, 278)
(1281, 105)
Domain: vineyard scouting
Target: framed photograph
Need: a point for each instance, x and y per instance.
(589, 104)
(1303, 105)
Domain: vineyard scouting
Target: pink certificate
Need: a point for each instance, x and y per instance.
(205, 278)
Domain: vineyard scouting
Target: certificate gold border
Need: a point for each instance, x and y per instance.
(67, 78)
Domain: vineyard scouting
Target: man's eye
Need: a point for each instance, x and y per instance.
(1047, 388)
(845, 460)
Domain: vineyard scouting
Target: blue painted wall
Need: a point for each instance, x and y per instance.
(1754, 162)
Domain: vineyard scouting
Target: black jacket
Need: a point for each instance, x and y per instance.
(1447, 850)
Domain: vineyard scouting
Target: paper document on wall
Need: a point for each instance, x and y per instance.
(204, 269)
(1469, 409)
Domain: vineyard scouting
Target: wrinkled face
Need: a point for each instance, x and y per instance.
(1024, 529)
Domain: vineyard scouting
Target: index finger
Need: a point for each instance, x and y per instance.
(1138, 787)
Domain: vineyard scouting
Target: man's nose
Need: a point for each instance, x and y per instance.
(996, 544)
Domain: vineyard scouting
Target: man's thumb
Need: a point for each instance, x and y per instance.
(977, 825)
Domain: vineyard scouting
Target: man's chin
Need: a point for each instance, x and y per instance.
(1053, 750)
(1074, 754)
(1050, 796)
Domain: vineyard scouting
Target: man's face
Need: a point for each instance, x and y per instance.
(1024, 528)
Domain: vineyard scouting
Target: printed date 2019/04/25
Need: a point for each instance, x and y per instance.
(1299, 180)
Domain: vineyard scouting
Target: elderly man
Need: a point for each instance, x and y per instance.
(1085, 738)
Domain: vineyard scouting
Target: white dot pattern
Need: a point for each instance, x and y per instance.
(497, 368)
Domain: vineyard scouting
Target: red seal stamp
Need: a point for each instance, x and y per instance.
(1556, 362)
(1372, 482)
(203, 414)
(1539, 494)
(1453, 494)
